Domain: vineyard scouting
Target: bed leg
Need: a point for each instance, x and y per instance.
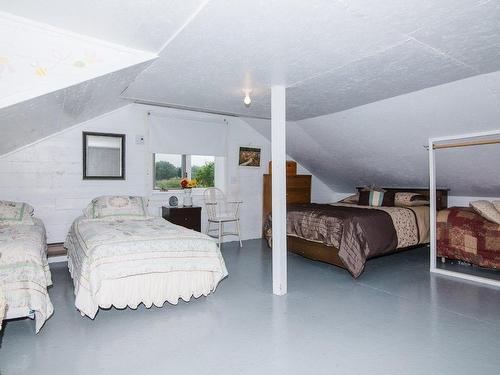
(221, 229)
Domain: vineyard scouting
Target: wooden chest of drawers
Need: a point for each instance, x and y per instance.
(298, 190)
(188, 217)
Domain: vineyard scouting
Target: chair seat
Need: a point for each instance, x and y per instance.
(223, 218)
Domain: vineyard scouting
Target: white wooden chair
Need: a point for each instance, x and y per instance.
(220, 211)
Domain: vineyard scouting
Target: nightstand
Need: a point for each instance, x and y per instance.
(188, 217)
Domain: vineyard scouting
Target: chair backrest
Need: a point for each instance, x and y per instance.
(215, 202)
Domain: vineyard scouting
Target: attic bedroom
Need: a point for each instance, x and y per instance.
(285, 187)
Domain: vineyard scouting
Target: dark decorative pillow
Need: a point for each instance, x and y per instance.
(376, 198)
(389, 198)
(364, 198)
(419, 197)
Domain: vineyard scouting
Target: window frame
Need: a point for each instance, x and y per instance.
(122, 137)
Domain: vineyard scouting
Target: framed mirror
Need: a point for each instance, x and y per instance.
(103, 156)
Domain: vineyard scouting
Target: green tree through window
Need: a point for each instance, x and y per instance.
(204, 174)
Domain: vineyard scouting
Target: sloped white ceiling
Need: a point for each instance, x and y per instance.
(51, 79)
(333, 55)
(37, 59)
(382, 143)
(142, 24)
(28, 121)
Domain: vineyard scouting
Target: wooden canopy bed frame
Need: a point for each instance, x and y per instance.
(299, 192)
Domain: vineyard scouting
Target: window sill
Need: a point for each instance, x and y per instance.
(194, 192)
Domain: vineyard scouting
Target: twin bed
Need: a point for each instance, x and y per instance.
(120, 256)
(24, 270)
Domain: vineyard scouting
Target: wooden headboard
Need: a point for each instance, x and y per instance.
(441, 194)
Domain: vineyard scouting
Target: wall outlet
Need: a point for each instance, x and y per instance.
(139, 139)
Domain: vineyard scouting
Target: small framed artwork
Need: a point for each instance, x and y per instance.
(249, 156)
(103, 156)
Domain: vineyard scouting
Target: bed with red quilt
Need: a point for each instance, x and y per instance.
(464, 235)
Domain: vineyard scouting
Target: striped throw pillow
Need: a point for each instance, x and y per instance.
(376, 198)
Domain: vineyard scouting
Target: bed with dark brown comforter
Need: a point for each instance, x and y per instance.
(357, 233)
(462, 234)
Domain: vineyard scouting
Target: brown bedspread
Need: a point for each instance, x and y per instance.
(464, 235)
(358, 233)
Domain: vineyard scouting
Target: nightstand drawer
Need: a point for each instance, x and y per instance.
(188, 217)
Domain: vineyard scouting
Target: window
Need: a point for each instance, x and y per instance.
(169, 169)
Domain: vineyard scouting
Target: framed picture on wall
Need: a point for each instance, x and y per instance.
(249, 156)
(103, 156)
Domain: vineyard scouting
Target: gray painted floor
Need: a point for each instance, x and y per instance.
(395, 319)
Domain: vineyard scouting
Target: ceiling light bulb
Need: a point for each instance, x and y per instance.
(247, 99)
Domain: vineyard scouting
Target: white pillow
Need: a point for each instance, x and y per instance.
(404, 199)
(117, 206)
(350, 199)
(487, 210)
(15, 213)
(497, 205)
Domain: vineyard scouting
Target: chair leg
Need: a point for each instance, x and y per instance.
(220, 233)
(238, 230)
(207, 231)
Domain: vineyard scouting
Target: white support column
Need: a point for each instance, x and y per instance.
(278, 156)
(432, 187)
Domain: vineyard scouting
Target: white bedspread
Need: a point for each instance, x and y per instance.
(2, 306)
(24, 271)
(127, 262)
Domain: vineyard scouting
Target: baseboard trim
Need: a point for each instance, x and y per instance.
(58, 259)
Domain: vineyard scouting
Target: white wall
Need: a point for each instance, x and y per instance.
(48, 173)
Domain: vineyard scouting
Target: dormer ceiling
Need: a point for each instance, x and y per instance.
(332, 55)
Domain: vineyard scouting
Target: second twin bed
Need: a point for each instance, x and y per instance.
(120, 256)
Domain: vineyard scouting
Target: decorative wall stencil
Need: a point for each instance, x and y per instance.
(88, 58)
(40, 59)
(5, 66)
(40, 71)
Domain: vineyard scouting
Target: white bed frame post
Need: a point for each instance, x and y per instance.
(278, 156)
(432, 179)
